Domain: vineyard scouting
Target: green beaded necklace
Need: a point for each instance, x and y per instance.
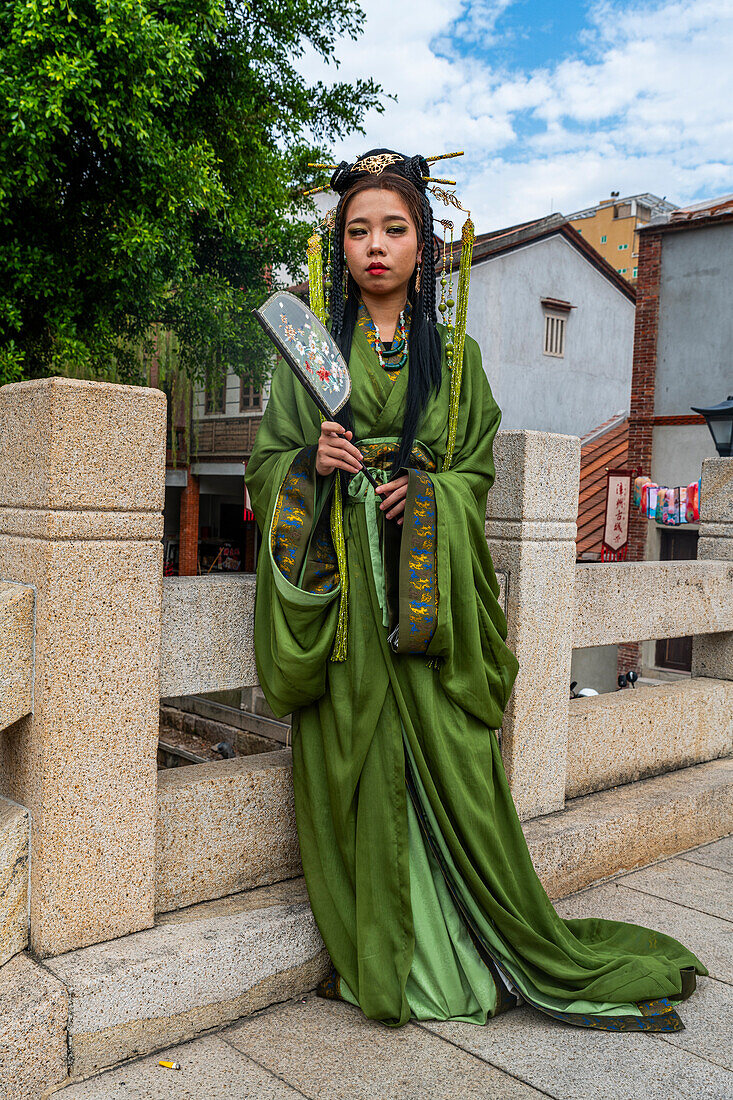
(392, 358)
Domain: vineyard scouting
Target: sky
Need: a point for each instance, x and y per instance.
(555, 104)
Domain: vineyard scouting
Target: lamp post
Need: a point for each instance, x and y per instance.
(719, 419)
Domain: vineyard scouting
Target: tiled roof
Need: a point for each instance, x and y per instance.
(711, 208)
(700, 214)
(500, 241)
(604, 446)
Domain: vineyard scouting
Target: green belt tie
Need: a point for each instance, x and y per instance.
(361, 491)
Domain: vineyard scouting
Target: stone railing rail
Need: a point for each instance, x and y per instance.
(92, 636)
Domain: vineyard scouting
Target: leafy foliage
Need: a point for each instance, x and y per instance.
(151, 162)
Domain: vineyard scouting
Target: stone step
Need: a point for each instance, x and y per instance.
(215, 722)
(196, 969)
(633, 825)
(217, 961)
(34, 1013)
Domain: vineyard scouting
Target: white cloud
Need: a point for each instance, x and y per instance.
(641, 105)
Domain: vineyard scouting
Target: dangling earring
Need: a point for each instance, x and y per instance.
(417, 277)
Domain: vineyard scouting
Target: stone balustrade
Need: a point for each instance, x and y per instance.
(207, 641)
(632, 601)
(92, 636)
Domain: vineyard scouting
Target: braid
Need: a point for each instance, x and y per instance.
(428, 264)
(343, 318)
(336, 296)
(426, 370)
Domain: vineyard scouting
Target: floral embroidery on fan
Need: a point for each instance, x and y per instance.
(314, 355)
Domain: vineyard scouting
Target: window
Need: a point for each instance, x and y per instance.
(621, 247)
(250, 397)
(555, 334)
(622, 270)
(556, 313)
(636, 271)
(216, 396)
(604, 238)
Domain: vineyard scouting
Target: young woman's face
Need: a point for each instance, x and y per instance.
(380, 241)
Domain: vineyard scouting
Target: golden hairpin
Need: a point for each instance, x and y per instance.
(434, 179)
(448, 197)
(443, 156)
(334, 166)
(329, 221)
(315, 190)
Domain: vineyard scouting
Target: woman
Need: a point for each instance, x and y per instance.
(416, 866)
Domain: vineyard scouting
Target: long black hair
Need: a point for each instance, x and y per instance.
(405, 177)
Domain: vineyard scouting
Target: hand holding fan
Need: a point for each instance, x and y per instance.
(310, 351)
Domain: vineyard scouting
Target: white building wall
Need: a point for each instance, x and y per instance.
(569, 395)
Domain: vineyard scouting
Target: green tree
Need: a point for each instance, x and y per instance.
(152, 157)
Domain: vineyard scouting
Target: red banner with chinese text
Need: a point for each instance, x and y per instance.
(615, 541)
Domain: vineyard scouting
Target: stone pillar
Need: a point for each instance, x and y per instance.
(188, 545)
(531, 528)
(82, 482)
(712, 654)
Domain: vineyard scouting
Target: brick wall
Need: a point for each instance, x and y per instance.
(641, 415)
(188, 550)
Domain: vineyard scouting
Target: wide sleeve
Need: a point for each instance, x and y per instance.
(298, 583)
(469, 631)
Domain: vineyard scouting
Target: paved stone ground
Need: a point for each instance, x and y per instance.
(323, 1049)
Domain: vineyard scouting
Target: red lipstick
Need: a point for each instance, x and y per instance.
(376, 267)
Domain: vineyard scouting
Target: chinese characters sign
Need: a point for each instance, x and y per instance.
(614, 544)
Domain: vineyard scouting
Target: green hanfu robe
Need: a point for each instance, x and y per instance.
(417, 870)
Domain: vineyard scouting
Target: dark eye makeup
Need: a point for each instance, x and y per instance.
(395, 230)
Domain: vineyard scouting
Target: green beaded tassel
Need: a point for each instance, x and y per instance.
(315, 277)
(458, 338)
(318, 305)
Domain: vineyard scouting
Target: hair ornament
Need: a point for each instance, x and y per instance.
(375, 162)
(329, 220)
(449, 198)
(443, 156)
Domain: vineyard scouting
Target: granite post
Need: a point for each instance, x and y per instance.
(712, 654)
(531, 528)
(82, 481)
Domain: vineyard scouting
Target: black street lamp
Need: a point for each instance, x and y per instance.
(719, 419)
